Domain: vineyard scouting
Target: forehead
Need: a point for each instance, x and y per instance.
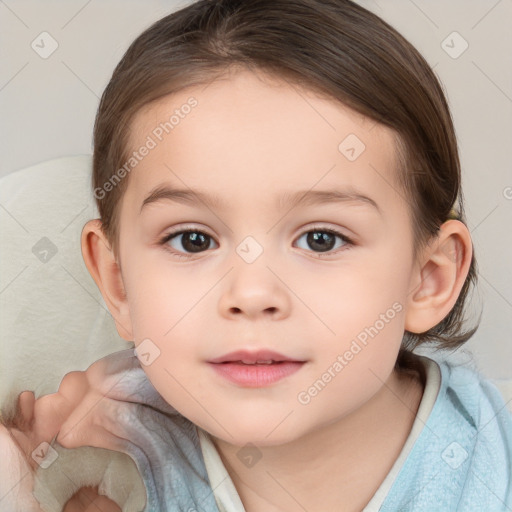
(250, 135)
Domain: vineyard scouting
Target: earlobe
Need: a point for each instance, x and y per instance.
(104, 269)
(441, 275)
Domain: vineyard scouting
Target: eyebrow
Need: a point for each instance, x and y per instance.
(292, 200)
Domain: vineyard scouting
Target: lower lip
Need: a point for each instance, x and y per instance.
(256, 375)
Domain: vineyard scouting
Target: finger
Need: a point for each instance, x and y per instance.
(17, 417)
(50, 412)
(110, 416)
(91, 435)
(26, 401)
(110, 375)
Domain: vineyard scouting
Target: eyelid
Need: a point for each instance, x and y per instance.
(187, 227)
(325, 226)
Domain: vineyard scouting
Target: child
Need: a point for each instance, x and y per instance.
(282, 224)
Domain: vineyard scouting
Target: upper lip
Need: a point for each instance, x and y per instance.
(252, 357)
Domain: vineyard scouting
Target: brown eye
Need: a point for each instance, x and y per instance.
(188, 241)
(323, 240)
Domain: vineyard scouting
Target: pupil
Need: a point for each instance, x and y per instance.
(322, 240)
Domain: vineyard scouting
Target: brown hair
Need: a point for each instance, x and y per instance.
(335, 48)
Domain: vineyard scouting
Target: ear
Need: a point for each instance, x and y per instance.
(106, 272)
(439, 277)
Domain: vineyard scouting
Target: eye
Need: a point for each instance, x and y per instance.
(186, 242)
(323, 240)
(190, 241)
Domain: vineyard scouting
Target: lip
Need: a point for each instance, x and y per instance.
(256, 375)
(251, 375)
(252, 357)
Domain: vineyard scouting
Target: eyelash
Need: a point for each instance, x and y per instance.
(189, 229)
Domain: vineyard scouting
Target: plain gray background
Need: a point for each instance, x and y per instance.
(48, 107)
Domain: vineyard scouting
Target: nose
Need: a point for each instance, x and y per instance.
(255, 291)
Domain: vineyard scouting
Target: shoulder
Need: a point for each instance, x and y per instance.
(462, 460)
(474, 424)
(470, 400)
(473, 434)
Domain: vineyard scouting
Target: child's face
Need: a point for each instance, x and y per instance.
(252, 144)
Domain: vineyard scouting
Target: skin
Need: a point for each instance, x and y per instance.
(17, 477)
(249, 140)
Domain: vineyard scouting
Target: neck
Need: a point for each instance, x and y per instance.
(339, 465)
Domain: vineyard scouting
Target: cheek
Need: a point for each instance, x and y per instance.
(365, 317)
(159, 292)
(178, 383)
(357, 299)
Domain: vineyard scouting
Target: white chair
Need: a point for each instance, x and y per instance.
(52, 317)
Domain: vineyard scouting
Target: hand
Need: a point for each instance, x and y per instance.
(17, 480)
(101, 403)
(85, 409)
(84, 412)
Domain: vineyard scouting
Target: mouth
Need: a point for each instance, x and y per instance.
(260, 357)
(254, 370)
(264, 363)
